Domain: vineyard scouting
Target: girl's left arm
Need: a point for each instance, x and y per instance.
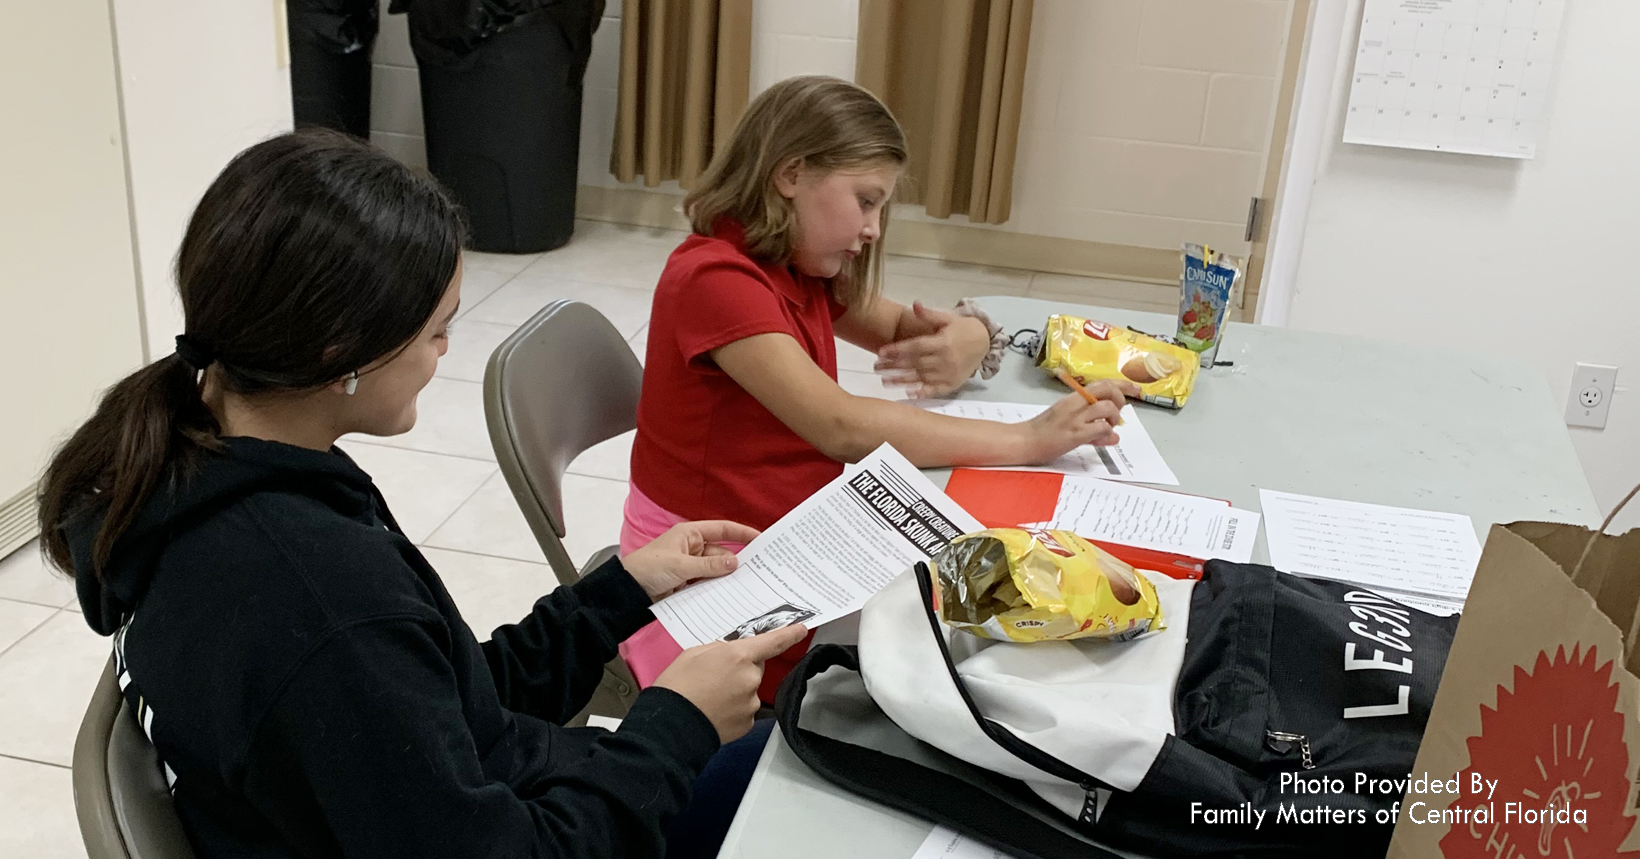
(549, 663)
(932, 351)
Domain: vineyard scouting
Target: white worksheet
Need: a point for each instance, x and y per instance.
(1432, 605)
(944, 843)
(1465, 76)
(1134, 459)
(824, 559)
(1416, 552)
(1155, 519)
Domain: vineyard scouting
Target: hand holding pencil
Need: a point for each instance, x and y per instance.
(1089, 416)
(1070, 381)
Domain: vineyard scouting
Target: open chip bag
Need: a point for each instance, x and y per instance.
(1185, 741)
(1027, 584)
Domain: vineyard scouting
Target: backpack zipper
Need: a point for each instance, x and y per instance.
(1090, 804)
(1282, 742)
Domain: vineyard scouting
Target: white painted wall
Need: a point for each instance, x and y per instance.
(1524, 260)
(802, 37)
(598, 104)
(67, 279)
(201, 80)
(395, 92)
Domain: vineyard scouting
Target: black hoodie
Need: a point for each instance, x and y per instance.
(313, 690)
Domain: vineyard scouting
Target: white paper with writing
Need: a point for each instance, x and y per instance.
(1134, 459)
(1417, 552)
(1155, 519)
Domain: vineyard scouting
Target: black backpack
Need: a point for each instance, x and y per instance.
(1298, 711)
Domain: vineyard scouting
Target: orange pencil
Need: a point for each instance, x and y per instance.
(1076, 386)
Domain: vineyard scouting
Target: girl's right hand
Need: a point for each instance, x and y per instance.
(1072, 422)
(721, 678)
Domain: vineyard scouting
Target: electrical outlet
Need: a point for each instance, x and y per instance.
(1591, 395)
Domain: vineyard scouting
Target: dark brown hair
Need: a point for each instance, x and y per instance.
(827, 122)
(311, 256)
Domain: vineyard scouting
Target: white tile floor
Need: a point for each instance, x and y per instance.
(442, 483)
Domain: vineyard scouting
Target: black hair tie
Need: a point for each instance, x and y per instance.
(193, 354)
(1026, 341)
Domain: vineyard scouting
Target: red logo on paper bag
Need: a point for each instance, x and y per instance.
(1096, 330)
(1555, 743)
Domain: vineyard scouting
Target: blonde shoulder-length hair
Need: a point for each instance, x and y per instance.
(827, 123)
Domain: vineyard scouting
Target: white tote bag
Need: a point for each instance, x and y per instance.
(1104, 708)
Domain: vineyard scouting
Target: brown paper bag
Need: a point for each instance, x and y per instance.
(1535, 720)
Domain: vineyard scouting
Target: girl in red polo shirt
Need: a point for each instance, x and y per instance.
(741, 416)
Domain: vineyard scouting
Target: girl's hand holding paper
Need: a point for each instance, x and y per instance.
(690, 551)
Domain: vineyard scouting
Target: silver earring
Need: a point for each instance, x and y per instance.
(352, 386)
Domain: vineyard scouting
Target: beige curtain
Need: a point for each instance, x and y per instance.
(685, 75)
(953, 72)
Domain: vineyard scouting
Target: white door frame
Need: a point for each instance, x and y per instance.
(1307, 141)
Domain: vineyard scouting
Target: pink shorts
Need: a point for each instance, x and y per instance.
(651, 649)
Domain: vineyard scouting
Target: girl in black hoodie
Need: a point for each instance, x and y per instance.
(302, 671)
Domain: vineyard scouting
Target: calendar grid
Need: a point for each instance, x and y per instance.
(1468, 76)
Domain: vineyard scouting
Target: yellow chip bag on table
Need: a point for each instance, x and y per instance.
(1091, 350)
(1026, 584)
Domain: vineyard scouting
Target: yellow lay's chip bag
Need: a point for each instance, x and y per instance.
(1026, 584)
(1091, 350)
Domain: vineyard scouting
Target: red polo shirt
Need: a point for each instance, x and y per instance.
(707, 449)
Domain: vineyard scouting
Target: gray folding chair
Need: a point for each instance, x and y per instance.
(120, 793)
(563, 382)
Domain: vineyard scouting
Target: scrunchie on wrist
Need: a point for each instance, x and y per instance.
(992, 362)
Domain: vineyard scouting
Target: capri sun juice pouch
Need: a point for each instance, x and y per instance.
(1206, 286)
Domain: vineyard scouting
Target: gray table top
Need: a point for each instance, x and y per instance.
(1318, 414)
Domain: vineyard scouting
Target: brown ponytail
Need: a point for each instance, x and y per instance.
(311, 255)
(151, 422)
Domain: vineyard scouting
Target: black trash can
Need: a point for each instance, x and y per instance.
(503, 121)
(330, 42)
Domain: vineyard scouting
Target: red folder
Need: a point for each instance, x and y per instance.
(1007, 499)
